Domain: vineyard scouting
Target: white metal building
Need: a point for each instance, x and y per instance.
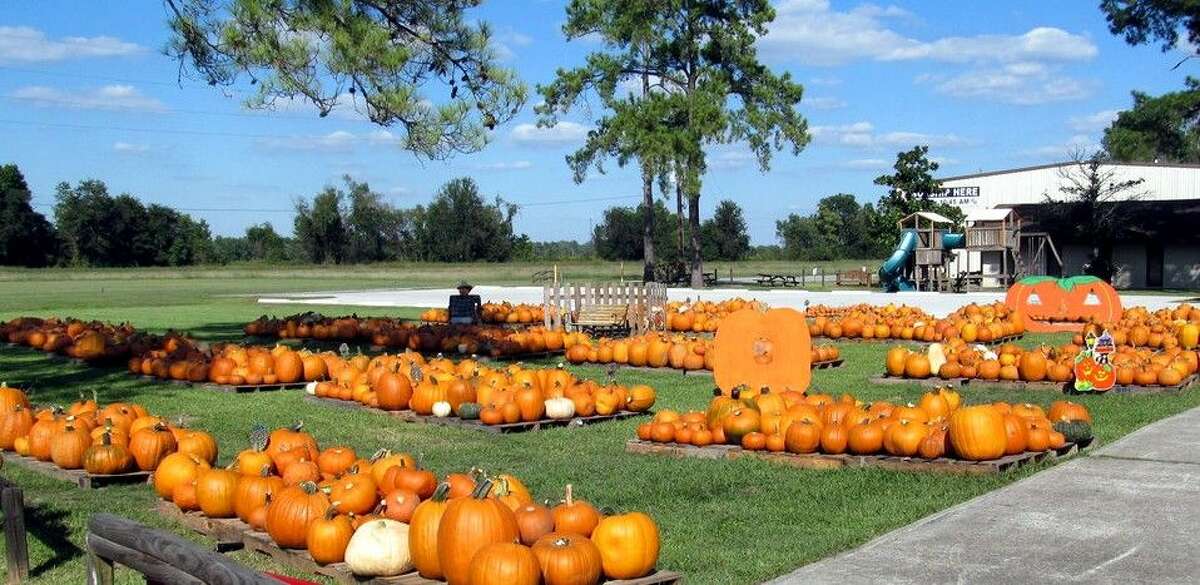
(1159, 247)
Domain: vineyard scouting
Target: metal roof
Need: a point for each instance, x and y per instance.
(1067, 164)
(992, 214)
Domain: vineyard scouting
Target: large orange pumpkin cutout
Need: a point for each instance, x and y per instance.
(1063, 304)
(763, 349)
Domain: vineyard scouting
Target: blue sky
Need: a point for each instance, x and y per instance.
(85, 92)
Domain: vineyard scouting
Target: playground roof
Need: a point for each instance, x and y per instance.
(993, 214)
(931, 216)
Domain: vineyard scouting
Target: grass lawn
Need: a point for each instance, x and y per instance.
(724, 522)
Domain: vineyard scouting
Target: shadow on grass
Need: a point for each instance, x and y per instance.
(50, 528)
(218, 331)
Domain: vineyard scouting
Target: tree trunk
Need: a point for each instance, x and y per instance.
(647, 224)
(697, 266)
(680, 220)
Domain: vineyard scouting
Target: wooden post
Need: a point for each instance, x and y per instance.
(15, 545)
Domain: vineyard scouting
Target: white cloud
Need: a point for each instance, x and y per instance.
(813, 33)
(399, 191)
(109, 97)
(823, 103)
(345, 107)
(557, 135)
(23, 44)
(1080, 143)
(382, 137)
(1024, 83)
(865, 164)
(732, 159)
(130, 148)
(1092, 122)
(863, 135)
(504, 41)
(337, 141)
(516, 165)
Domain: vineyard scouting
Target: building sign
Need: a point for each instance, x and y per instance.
(958, 196)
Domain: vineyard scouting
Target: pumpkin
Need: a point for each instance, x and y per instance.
(379, 548)
(251, 461)
(291, 511)
(1016, 434)
(399, 505)
(756, 349)
(288, 439)
(559, 408)
(1063, 300)
(467, 526)
(574, 516)
(353, 494)
(215, 492)
(255, 491)
(328, 537)
(16, 422)
(977, 433)
(1065, 410)
(68, 446)
(628, 545)
(423, 533)
(107, 458)
(505, 563)
(198, 443)
(184, 496)
(335, 461)
(174, 470)
(419, 481)
(150, 446)
(803, 436)
(904, 438)
(470, 410)
(1033, 367)
(11, 397)
(533, 521)
(567, 559)
(1074, 431)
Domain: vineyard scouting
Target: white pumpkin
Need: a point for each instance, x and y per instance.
(441, 409)
(560, 408)
(379, 548)
(311, 388)
(937, 357)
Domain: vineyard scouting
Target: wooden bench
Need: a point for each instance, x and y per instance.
(542, 277)
(16, 547)
(160, 556)
(783, 280)
(858, 277)
(603, 320)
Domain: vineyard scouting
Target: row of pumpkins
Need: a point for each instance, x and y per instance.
(386, 516)
(1132, 366)
(704, 316)
(100, 439)
(90, 341)
(233, 364)
(939, 426)
(1161, 329)
(971, 323)
(656, 350)
(498, 313)
(489, 340)
(471, 390)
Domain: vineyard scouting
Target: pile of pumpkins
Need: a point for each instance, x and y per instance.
(938, 426)
(107, 439)
(497, 313)
(386, 516)
(232, 364)
(91, 341)
(1161, 329)
(1132, 366)
(470, 390)
(656, 350)
(491, 340)
(704, 316)
(972, 323)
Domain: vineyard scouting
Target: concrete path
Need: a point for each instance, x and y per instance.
(1128, 513)
(938, 304)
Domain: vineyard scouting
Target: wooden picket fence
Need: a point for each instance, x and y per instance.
(646, 303)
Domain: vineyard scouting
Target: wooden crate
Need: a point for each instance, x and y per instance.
(233, 531)
(941, 465)
(227, 388)
(16, 540)
(451, 421)
(893, 340)
(1064, 387)
(76, 476)
(815, 365)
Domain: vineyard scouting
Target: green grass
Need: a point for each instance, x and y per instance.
(724, 522)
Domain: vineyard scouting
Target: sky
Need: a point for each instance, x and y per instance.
(86, 92)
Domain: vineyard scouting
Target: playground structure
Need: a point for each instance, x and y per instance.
(991, 252)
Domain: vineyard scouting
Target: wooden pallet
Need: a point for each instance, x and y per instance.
(816, 366)
(76, 476)
(894, 340)
(451, 421)
(236, 534)
(941, 465)
(228, 388)
(1064, 387)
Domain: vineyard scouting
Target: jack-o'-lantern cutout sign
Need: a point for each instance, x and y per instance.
(758, 349)
(1062, 304)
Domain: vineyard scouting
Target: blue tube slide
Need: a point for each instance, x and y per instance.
(953, 241)
(891, 274)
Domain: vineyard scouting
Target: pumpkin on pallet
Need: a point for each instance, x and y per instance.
(939, 425)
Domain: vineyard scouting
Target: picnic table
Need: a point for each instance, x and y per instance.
(768, 279)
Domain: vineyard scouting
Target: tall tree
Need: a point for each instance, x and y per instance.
(265, 244)
(709, 87)
(620, 77)
(458, 226)
(26, 238)
(725, 236)
(381, 54)
(619, 234)
(1093, 208)
(1139, 21)
(368, 220)
(1163, 128)
(319, 228)
(911, 188)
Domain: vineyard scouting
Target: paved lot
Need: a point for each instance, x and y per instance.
(1125, 514)
(939, 304)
